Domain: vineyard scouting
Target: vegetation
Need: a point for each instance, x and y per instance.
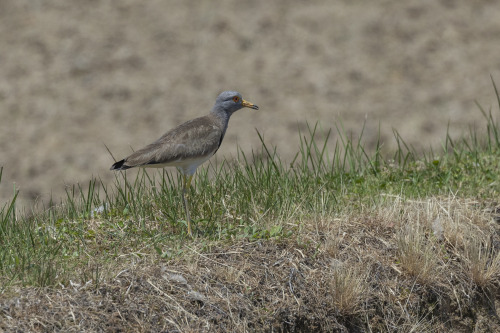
(336, 240)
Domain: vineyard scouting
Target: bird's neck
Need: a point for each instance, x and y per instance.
(221, 118)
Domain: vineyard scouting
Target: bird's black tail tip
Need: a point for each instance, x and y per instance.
(120, 165)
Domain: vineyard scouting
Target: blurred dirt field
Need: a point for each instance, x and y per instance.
(77, 75)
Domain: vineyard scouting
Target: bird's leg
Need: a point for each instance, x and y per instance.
(185, 195)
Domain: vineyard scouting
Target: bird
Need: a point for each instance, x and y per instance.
(189, 145)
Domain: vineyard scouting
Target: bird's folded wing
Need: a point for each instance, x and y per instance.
(191, 140)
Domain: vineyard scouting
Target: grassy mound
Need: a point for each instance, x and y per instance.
(342, 240)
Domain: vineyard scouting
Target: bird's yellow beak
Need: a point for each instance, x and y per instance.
(249, 105)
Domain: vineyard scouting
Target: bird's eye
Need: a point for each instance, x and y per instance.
(236, 99)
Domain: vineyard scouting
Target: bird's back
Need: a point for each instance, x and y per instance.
(197, 139)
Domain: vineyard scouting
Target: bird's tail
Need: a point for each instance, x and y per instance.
(120, 165)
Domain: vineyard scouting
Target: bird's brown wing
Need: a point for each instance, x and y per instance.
(194, 139)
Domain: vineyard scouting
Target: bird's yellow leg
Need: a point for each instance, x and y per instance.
(189, 181)
(185, 195)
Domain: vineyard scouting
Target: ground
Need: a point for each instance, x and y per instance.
(78, 75)
(356, 273)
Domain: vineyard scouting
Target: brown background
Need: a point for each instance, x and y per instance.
(75, 75)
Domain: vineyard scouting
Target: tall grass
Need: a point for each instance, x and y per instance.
(254, 196)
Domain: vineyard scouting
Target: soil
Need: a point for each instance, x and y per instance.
(78, 75)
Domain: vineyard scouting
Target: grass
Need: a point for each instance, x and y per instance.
(418, 256)
(482, 262)
(348, 288)
(336, 239)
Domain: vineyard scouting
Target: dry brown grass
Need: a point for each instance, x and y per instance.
(394, 270)
(348, 289)
(481, 262)
(417, 255)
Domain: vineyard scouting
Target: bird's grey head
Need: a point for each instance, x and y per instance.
(231, 101)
